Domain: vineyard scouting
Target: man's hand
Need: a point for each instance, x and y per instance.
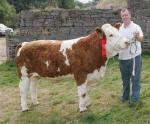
(137, 37)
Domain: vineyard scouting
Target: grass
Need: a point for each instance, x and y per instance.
(8, 76)
(59, 102)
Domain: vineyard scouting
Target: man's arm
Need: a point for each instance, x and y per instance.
(140, 39)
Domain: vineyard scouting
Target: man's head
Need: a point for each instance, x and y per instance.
(125, 16)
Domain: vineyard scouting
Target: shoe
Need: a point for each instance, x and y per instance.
(122, 100)
(132, 104)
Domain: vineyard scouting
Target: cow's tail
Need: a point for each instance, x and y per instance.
(18, 47)
(17, 59)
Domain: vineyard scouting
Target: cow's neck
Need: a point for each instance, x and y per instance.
(95, 40)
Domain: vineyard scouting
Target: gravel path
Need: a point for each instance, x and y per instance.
(2, 50)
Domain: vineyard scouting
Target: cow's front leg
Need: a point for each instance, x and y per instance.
(83, 97)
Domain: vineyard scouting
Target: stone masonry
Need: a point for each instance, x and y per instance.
(69, 24)
(57, 24)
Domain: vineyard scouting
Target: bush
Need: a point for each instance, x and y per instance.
(8, 14)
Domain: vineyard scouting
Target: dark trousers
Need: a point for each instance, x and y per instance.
(126, 69)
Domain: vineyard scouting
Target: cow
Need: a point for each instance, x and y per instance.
(84, 57)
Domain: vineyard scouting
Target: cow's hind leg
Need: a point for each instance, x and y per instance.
(24, 86)
(33, 90)
(88, 102)
(83, 97)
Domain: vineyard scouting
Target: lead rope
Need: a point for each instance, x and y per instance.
(133, 70)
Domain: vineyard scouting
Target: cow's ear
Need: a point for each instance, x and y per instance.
(117, 25)
(100, 31)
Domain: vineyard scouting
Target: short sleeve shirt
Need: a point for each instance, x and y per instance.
(135, 48)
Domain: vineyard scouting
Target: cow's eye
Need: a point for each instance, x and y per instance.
(110, 35)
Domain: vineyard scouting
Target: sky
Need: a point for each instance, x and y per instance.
(84, 1)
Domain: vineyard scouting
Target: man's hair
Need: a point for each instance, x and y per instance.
(125, 9)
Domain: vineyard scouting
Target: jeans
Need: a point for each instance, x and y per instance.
(126, 68)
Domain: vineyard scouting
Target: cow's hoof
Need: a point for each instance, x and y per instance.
(25, 110)
(83, 109)
(35, 103)
(88, 104)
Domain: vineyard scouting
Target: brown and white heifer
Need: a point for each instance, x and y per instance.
(82, 57)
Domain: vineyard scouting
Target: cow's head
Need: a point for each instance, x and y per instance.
(115, 41)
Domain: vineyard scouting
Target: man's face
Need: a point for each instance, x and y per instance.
(126, 17)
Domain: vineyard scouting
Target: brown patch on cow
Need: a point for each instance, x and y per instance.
(36, 53)
(84, 57)
(99, 30)
(117, 25)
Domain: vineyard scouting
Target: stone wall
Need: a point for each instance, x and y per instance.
(58, 24)
(69, 24)
(63, 24)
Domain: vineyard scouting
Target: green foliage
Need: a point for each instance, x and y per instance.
(9, 8)
(85, 6)
(41, 4)
(8, 14)
(8, 74)
(59, 2)
(68, 4)
(21, 4)
(80, 5)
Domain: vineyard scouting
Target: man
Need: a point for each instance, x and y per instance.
(130, 58)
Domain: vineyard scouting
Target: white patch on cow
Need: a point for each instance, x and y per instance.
(67, 44)
(83, 97)
(34, 74)
(24, 71)
(24, 86)
(97, 74)
(47, 64)
(102, 71)
(22, 45)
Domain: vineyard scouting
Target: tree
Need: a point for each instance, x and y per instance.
(59, 2)
(8, 14)
(41, 4)
(68, 4)
(21, 4)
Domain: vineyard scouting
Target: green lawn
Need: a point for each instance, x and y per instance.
(59, 102)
